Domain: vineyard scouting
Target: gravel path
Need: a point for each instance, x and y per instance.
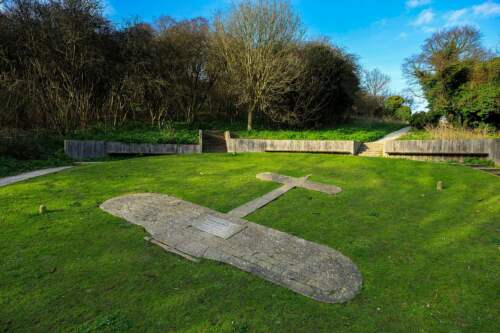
(28, 175)
(394, 135)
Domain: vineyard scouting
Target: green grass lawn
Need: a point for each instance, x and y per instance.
(429, 259)
(358, 131)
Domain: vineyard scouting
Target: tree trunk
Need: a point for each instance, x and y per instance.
(250, 119)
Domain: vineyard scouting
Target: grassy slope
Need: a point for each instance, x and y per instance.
(142, 134)
(31, 152)
(359, 131)
(420, 134)
(429, 259)
(367, 130)
(416, 134)
(181, 133)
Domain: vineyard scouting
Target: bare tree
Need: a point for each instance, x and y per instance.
(185, 47)
(56, 61)
(255, 40)
(376, 83)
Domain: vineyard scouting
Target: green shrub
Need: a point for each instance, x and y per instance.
(394, 102)
(395, 107)
(11, 166)
(419, 120)
(30, 151)
(480, 105)
(479, 161)
(31, 146)
(403, 113)
(462, 83)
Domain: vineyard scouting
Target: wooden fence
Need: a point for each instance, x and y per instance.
(444, 149)
(87, 149)
(411, 149)
(236, 145)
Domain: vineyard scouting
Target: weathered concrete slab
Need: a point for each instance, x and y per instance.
(307, 268)
(299, 182)
(260, 202)
(28, 175)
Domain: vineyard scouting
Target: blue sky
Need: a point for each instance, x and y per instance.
(381, 33)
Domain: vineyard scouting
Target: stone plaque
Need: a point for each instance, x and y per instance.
(216, 226)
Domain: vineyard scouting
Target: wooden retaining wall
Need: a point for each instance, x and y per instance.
(84, 149)
(444, 150)
(77, 149)
(236, 145)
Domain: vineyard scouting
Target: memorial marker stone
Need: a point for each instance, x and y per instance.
(195, 232)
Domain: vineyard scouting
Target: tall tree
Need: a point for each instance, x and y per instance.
(255, 40)
(447, 69)
(376, 83)
(325, 91)
(186, 52)
(58, 62)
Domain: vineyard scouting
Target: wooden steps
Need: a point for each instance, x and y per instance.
(214, 142)
(371, 149)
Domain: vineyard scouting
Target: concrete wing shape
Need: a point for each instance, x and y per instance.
(194, 232)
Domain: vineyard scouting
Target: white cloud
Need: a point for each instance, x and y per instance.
(469, 14)
(417, 3)
(488, 8)
(425, 17)
(455, 16)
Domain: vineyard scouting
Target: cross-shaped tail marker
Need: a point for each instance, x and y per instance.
(288, 184)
